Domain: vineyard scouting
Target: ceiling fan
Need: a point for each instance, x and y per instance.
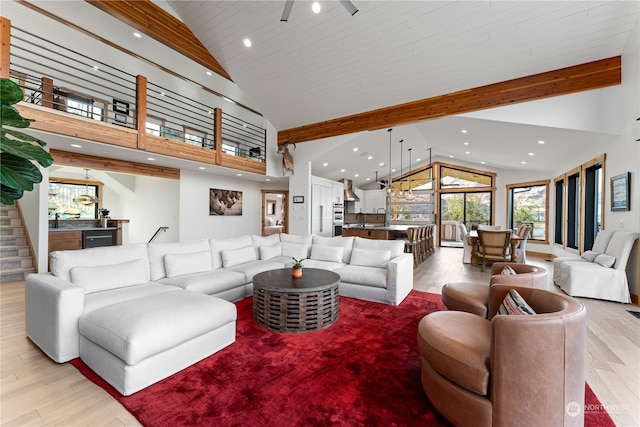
(289, 5)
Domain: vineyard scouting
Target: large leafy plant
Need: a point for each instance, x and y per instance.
(18, 150)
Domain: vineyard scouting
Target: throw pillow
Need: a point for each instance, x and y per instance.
(270, 251)
(513, 303)
(508, 271)
(105, 277)
(294, 250)
(589, 255)
(605, 260)
(231, 257)
(370, 258)
(180, 264)
(327, 253)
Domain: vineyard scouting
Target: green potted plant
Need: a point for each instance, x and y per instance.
(296, 269)
(18, 150)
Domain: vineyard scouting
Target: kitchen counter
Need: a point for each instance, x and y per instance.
(377, 231)
(82, 229)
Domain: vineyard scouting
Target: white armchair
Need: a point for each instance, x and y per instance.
(521, 254)
(603, 278)
(466, 244)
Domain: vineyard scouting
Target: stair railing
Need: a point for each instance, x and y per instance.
(157, 232)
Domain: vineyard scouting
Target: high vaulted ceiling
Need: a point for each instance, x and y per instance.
(320, 67)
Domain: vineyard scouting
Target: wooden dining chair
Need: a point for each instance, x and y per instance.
(494, 246)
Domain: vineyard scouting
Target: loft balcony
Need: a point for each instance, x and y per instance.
(71, 94)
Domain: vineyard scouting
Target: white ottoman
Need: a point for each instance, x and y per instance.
(136, 343)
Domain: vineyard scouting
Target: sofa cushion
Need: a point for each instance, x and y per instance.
(295, 250)
(327, 253)
(105, 277)
(395, 246)
(97, 300)
(458, 346)
(589, 255)
(513, 303)
(259, 241)
(602, 241)
(63, 261)
(270, 251)
(344, 242)
(217, 245)
(133, 331)
(370, 257)
(208, 282)
(250, 269)
(605, 260)
(324, 265)
(231, 257)
(358, 275)
(292, 238)
(180, 264)
(157, 252)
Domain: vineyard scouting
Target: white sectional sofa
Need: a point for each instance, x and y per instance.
(601, 272)
(125, 312)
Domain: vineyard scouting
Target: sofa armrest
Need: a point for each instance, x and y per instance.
(52, 309)
(399, 278)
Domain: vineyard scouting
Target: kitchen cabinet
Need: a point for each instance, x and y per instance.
(338, 192)
(65, 240)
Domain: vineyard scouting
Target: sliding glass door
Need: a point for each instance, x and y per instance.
(468, 208)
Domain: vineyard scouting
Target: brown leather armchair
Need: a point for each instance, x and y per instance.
(509, 369)
(474, 297)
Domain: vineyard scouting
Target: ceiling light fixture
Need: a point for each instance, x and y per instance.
(316, 8)
(464, 131)
(355, 149)
(401, 191)
(138, 35)
(209, 73)
(541, 142)
(288, 5)
(409, 195)
(247, 42)
(389, 189)
(76, 145)
(325, 164)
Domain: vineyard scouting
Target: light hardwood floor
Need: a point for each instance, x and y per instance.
(36, 391)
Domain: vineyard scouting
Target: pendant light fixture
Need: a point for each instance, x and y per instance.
(409, 193)
(389, 189)
(401, 192)
(86, 199)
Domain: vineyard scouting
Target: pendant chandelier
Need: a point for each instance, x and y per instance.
(409, 194)
(390, 191)
(401, 192)
(86, 198)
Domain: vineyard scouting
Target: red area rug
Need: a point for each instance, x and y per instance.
(362, 370)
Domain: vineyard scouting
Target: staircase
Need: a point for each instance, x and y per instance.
(15, 260)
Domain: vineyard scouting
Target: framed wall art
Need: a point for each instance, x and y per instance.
(620, 192)
(225, 202)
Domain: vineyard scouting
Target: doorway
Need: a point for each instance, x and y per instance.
(468, 208)
(275, 205)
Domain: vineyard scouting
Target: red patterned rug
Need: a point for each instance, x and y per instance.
(362, 370)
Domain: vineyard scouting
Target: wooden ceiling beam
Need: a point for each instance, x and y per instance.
(147, 17)
(578, 78)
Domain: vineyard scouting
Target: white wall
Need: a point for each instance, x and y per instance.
(34, 207)
(195, 221)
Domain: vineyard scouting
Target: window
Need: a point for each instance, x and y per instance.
(573, 210)
(84, 109)
(193, 138)
(559, 204)
(63, 194)
(459, 178)
(527, 205)
(154, 126)
(230, 148)
(593, 208)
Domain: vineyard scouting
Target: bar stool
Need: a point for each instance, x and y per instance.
(412, 244)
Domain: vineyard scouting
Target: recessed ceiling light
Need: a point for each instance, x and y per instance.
(467, 152)
(531, 154)
(483, 163)
(451, 156)
(417, 160)
(325, 164)
(355, 149)
(368, 179)
(268, 179)
(95, 67)
(247, 42)
(201, 168)
(466, 143)
(315, 7)
(229, 100)
(381, 163)
(76, 145)
(464, 131)
(393, 170)
(161, 93)
(370, 157)
(150, 158)
(341, 170)
(238, 174)
(524, 163)
(356, 175)
(209, 73)
(138, 35)
(541, 142)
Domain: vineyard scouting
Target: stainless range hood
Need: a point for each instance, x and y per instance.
(349, 194)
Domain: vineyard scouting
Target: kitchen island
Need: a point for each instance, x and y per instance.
(377, 231)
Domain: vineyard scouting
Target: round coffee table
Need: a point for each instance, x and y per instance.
(295, 304)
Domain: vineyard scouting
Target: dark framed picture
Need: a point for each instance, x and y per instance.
(298, 199)
(620, 192)
(120, 106)
(121, 118)
(225, 202)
